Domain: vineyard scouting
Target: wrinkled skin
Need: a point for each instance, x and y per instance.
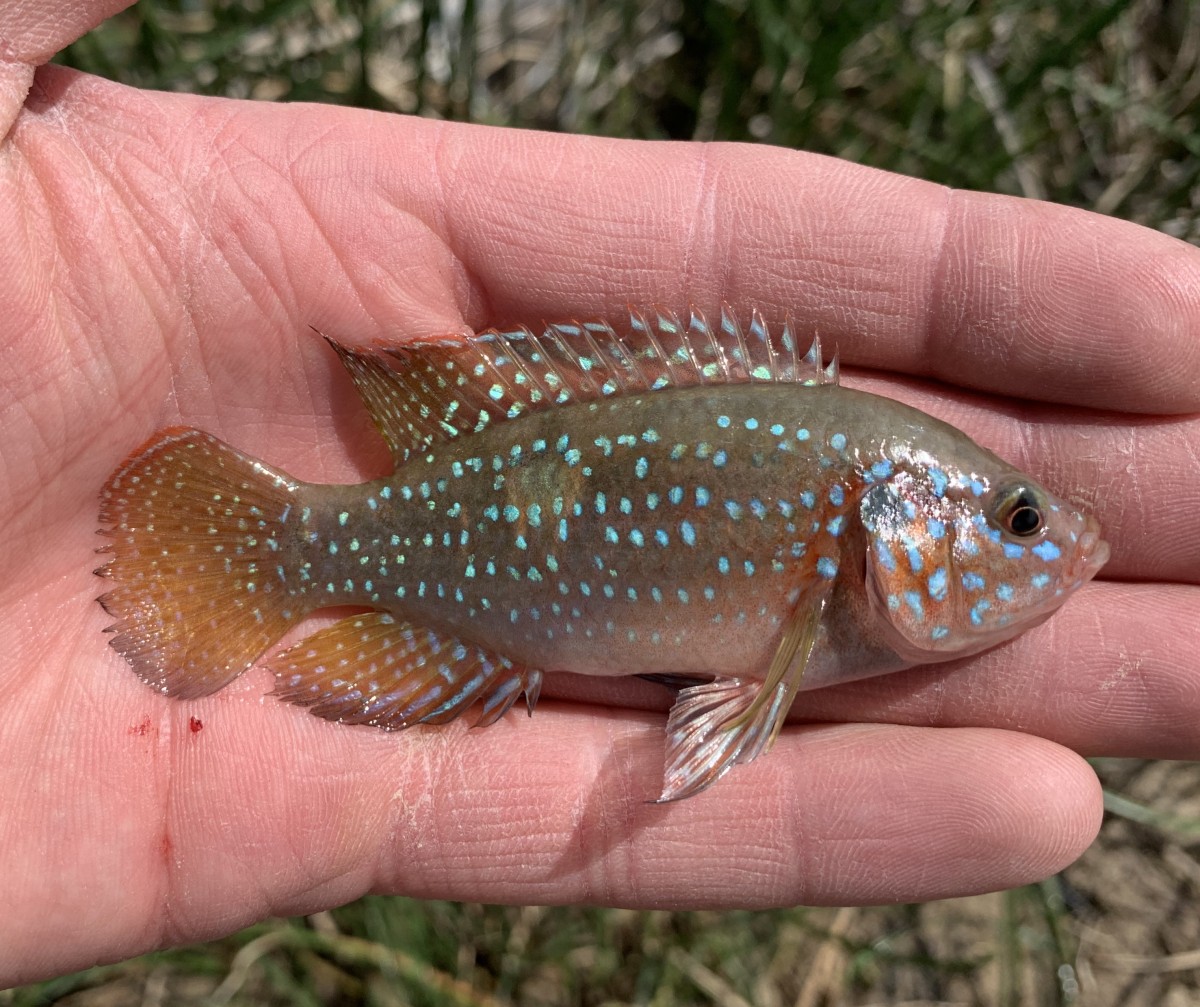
(161, 260)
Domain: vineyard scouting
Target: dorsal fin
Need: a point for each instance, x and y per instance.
(434, 390)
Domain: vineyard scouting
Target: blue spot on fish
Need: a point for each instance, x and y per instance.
(939, 480)
(1047, 551)
(913, 600)
(827, 568)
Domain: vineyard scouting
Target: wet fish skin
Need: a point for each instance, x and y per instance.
(697, 501)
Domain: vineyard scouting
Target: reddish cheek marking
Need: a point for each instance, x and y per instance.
(142, 728)
(195, 725)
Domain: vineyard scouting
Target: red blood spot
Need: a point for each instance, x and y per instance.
(141, 729)
(196, 724)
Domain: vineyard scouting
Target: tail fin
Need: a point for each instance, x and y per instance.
(200, 555)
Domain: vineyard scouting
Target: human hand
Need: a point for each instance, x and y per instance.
(161, 260)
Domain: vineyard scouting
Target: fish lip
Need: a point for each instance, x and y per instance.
(1092, 554)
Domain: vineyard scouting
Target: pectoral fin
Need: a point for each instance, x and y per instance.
(720, 724)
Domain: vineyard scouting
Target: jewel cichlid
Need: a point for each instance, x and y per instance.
(670, 500)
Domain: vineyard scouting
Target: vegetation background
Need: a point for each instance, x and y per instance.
(1088, 103)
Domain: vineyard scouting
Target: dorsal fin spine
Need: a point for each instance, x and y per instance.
(668, 324)
(435, 390)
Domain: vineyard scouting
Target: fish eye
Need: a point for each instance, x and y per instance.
(1019, 510)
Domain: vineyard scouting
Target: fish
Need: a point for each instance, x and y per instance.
(668, 498)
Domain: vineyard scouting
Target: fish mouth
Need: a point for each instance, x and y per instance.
(1093, 552)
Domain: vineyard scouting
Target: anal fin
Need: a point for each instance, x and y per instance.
(378, 670)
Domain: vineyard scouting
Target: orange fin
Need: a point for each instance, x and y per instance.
(375, 669)
(435, 390)
(201, 540)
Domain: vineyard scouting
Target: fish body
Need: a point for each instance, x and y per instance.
(671, 501)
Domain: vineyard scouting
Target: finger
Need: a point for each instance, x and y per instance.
(31, 31)
(837, 814)
(552, 811)
(1010, 295)
(445, 222)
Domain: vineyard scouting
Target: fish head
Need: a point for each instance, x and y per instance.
(958, 561)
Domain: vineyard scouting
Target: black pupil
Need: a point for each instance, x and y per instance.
(1025, 518)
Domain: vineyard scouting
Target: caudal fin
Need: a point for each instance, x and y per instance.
(203, 540)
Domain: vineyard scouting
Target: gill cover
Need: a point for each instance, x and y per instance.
(909, 567)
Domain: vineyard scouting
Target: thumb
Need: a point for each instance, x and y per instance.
(31, 31)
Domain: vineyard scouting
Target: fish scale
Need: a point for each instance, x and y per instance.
(644, 535)
(675, 499)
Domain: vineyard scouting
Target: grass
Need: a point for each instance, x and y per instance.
(1092, 104)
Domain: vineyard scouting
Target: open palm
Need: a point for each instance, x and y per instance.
(162, 259)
